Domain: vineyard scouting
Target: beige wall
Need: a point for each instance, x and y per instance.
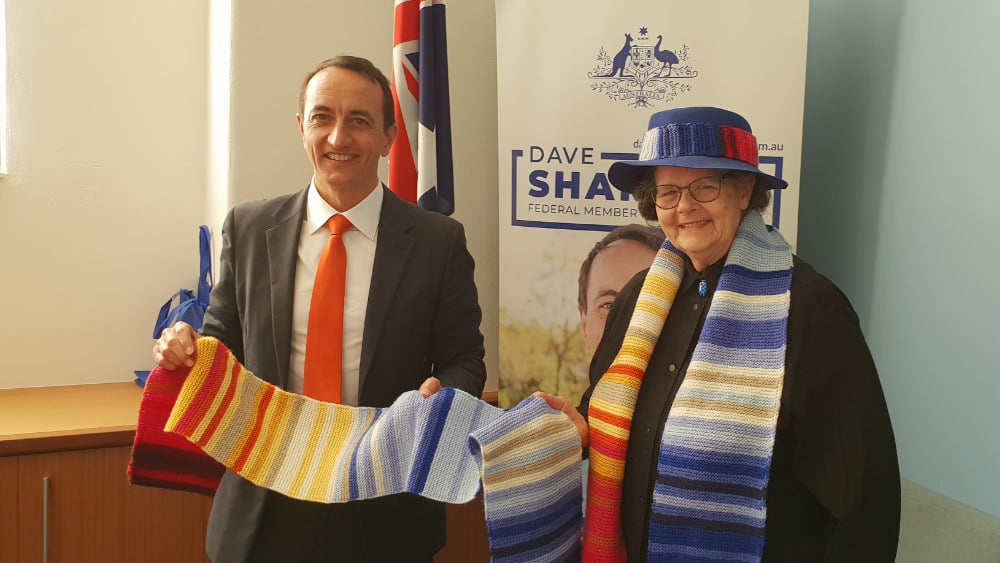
(105, 183)
(111, 170)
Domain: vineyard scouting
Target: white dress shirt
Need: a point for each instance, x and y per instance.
(359, 242)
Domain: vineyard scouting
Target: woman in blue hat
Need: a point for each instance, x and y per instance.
(735, 412)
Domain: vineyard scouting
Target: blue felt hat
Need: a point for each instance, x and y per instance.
(696, 137)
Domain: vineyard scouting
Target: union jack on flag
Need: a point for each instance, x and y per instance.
(420, 161)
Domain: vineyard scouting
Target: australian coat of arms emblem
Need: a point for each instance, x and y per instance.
(643, 71)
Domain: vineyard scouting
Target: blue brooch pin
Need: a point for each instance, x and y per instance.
(702, 288)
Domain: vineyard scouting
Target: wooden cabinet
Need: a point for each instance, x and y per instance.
(76, 442)
(91, 514)
(467, 539)
(8, 509)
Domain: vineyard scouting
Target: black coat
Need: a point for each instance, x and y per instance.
(833, 493)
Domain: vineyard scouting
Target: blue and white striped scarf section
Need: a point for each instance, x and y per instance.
(715, 457)
(444, 447)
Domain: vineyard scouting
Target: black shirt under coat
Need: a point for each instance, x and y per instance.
(833, 494)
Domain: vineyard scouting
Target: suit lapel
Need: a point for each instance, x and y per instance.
(282, 253)
(392, 252)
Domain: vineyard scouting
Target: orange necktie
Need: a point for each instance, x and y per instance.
(325, 333)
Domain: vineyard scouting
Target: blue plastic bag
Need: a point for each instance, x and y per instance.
(185, 305)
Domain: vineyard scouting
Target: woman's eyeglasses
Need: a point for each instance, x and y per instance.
(702, 190)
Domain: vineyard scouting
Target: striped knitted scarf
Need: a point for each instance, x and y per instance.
(715, 456)
(527, 459)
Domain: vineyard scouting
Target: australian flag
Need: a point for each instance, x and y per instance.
(420, 161)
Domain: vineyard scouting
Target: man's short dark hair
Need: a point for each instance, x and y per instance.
(360, 66)
(650, 236)
(645, 194)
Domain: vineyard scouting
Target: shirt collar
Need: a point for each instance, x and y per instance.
(711, 274)
(364, 216)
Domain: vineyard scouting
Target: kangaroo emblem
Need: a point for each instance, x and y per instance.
(618, 65)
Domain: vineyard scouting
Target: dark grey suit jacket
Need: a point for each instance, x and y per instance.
(422, 320)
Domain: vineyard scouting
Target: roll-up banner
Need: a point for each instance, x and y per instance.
(577, 82)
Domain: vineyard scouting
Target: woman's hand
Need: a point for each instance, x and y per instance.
(561, 404)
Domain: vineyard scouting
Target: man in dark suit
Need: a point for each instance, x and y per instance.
(411, 320)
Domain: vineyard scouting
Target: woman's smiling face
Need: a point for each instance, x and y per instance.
(703, 231)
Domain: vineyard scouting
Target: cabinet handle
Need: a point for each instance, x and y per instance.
(45, 520)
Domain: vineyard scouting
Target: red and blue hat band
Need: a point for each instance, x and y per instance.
(699, 139)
